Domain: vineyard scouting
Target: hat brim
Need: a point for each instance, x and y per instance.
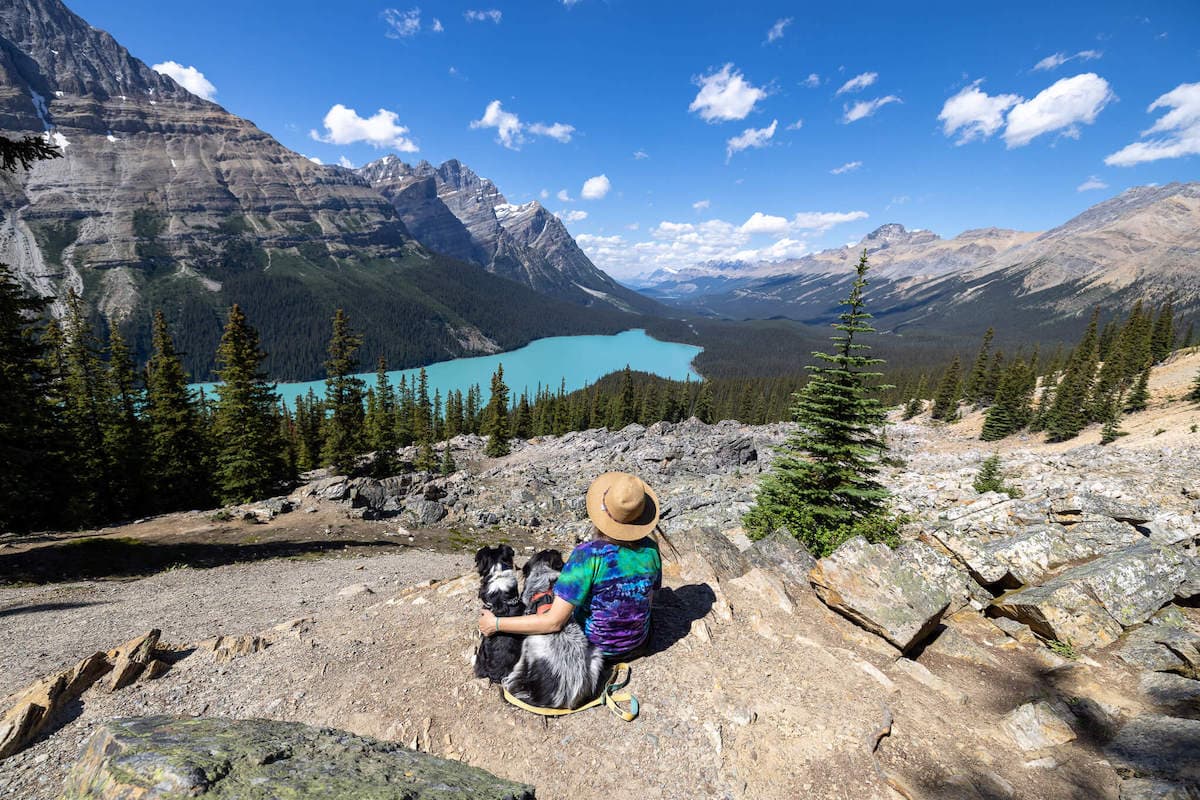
(640, 528)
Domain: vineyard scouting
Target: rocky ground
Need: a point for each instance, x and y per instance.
(1031, 648)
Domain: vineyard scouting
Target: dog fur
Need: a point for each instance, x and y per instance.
(497, 653)
(555, 670)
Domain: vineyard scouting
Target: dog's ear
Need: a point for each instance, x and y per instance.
(507, 554)
(528, 565)
(556, 560)
(483, 560)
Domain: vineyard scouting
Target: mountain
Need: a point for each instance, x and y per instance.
(1144, 243)
(454, 211)
(165, 200)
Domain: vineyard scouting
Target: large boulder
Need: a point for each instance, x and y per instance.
(1157, 746)
(939, 570)
(1089, 605)
(423, 513)
(782, 553)
(1162, 648)
(164, 758)
(1086, 505)
(881, 591)
(708, 545)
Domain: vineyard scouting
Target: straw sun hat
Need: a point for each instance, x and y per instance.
(622, 506)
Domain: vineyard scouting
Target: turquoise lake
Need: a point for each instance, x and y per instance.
(580, 360)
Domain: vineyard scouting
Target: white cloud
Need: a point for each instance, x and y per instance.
(510, 131)
(595, 188)
(858, 83)
(1064, 105)
(558, 131)
(701, 205)
(822, 221)
(795, 126)
(764, 223)
(776, 32)
(751, 137)
(189, 78)
(812, 81)
(574, 215)
(381, 129)
(638, 155)
(725, 95)
(849, 166)
(974, 114)
(1091, 183)
(682, 244)
(437, 25)
(345, 162)
(633, 226)
(1178, 130)
(544, 194)
(402, 24)
(492, 14)
(315, 160)
(865, 108)
(563, 197)
(1056, 60)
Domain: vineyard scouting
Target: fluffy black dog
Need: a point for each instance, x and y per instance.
(556, 670)
(498, 653)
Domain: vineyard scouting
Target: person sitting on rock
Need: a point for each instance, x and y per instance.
(608, 582)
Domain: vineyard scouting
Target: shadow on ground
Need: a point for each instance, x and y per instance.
(99, 557)
(674, 612)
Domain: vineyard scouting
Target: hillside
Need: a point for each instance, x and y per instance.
(1144, 243)
(165, 200)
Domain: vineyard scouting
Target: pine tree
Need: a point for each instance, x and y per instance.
(495, 417)
(975, 381)
(704, 404)
(381, 423)
(310, 416)
(823, 484)
(29, 427)
(124, 429)
(523, 418)
(1069, 414)
(249, 450)
(1195, 393)
(179, 466)
(916, 403)
(85, 411)
(447, 466)
(422, 425)
(25, 151)
(1140, 396)
(945, 399)
(343, 427)
(1162, 338)
(1112, 424)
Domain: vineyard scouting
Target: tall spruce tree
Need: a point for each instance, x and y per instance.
(495, 417)
(343, 427)
(1139, 397)
(179, 463)
(1162, 338)
(916, 403)
(85, 416)
(704, 403)
(246, 430)
(124, 430)
(1195, 393)
(945, 398)
(381, 423)
(823, 485)
(976, 380)
(1069, 414)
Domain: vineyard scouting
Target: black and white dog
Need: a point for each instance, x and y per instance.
(556, 670)
(498, 653)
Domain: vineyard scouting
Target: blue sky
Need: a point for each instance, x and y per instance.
(755, 130)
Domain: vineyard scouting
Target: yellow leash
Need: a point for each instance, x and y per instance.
(609, 697)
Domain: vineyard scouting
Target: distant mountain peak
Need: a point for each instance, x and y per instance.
(893, 233)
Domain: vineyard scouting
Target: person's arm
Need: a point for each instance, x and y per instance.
(550, 622)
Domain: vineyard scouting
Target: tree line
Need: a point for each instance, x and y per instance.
(1104, 376)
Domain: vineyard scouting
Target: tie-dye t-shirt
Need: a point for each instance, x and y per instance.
(610, 586)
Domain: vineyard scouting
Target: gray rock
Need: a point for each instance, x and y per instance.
(937, 568)
(1152, 789)
(1088, 605)
(1080, 506)
(713, 547)
(1036, 726)
(782, 553)
(425, 512)
(1157, 746)
(881, 591)
(163, 758)
(1173, 694)
(1162, 648)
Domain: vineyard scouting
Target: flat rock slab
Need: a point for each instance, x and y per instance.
(1090, 605)
(170, 758)
(1157, 747)
(881, 591)
(1035, 726)
(780, 552)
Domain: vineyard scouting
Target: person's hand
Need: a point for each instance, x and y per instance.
(487, 622)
